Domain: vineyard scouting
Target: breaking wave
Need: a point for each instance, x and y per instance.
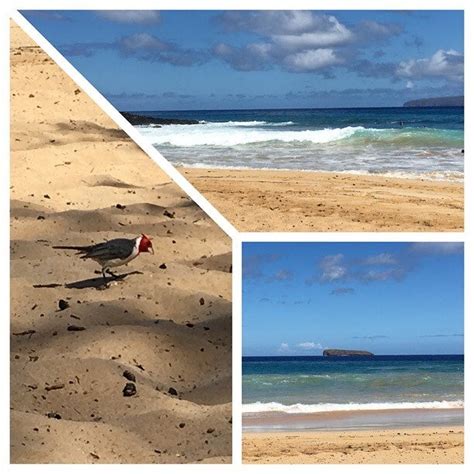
(259, 407)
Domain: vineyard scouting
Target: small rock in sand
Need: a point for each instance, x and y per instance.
(73, 327)
(62, 305)
(129, 376)
(129, 390)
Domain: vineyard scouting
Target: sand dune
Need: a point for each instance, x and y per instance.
(76, 179)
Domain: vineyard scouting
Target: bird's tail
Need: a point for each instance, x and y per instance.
(72, 247)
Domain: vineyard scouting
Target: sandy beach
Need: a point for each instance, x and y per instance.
(437, 445)
(260, 200)
(77, 179)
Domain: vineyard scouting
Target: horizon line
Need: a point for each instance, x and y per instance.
(298, 108)
(368, 357)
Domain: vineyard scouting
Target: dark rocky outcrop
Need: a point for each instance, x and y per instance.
(454, 101)
(136, 119)
(345, 353)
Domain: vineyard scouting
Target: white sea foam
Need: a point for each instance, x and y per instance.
(229, 134)
(259, 407)
(247, 123)
(257, 144)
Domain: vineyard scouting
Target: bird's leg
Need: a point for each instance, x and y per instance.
(113, 275)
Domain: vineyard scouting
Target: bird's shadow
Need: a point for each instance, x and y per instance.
(100, 282)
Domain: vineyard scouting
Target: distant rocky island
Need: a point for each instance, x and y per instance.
(136, 119)
(345, 353)
(454, 101)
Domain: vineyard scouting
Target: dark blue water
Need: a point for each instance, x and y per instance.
(313, 384)
(425, 142)
(442, 118)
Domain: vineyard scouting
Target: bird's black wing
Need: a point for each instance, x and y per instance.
(116, 248)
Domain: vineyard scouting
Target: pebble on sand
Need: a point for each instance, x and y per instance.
(129, 390)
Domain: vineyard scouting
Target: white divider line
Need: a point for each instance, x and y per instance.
(117, 117)
(352, 237)
(242, 5)
(237, 350)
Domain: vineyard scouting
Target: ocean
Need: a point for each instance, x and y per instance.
(432, 384)
(398, 141)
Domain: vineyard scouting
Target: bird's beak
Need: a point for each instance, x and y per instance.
(150, 249)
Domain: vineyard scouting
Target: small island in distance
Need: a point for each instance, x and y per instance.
(345, 353)
(453, 101)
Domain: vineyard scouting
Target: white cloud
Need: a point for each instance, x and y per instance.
(142, 41)
(312, 60)
(148, 47)
(327, 32)
(380, 259)
(308, 346)
(251, 57)
(284, 347)
(131, 16)
(445, 64)
(298, 41)
(282, 275)
(278, 22)
(332, 268)
(289, 21)
(376, 29)
(396, 273)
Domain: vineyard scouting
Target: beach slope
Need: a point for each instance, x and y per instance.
(281, 201)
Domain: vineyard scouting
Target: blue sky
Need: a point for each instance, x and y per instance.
(388, 298)
(194, 60)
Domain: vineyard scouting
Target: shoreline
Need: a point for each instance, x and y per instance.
(264, 200)
(354, 173)
(351, 420)
(428, 445)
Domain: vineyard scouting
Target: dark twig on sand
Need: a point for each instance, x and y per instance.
(58, 386)
(28, 332)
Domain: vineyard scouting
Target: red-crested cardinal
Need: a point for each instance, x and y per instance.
(113, 253)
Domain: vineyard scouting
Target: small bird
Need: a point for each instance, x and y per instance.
(112, 253)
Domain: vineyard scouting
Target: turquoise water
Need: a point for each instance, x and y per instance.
(321, 384)
(426, 142)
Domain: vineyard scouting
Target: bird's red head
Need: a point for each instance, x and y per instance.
(145, 244)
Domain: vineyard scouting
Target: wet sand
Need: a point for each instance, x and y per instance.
(263, 200)
(346, 420)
